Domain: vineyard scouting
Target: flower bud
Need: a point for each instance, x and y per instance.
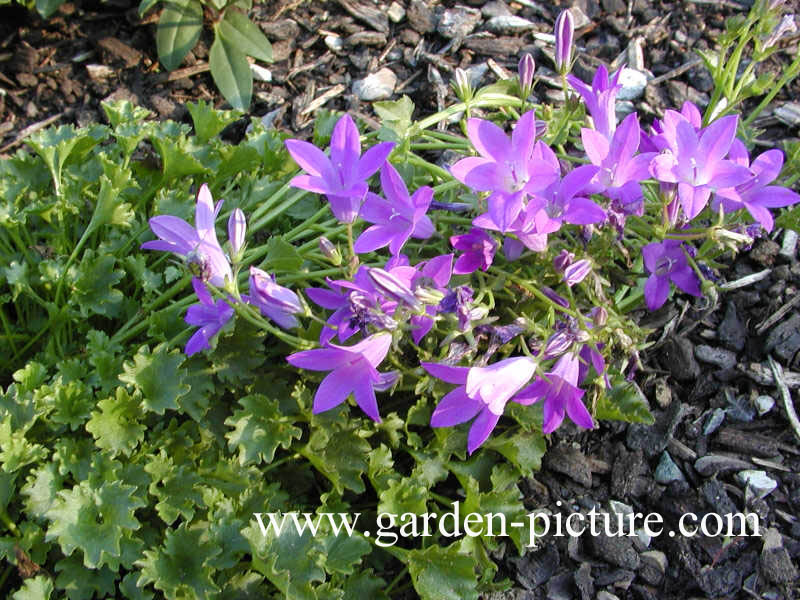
(550, 293)
(526, 69)
(563, 260)
(785, 26)
(330, 251)
(462, 86)
(577, 272)
(564, 32)
(558, 343)
(274, 301)
(391, 287)
(599, 316)
(237, 226)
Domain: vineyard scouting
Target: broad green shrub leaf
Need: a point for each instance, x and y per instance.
(158, 376)
(343, 552)
(524, 449)
(124, 111)
(395, 118)
(281, 256)
(47, 8)
(15, 450)
(365, 584)
(178, 567)
(208, 121)
(241, 33)
(56, 145)
(177, 159)
(442, 574)
(177, 31)
(81, 583)
(115, 427)
(231, 72)
(94, 520)
(258, 429)
(41, 489)
(71, 402)
(624, 402)
(37, 588)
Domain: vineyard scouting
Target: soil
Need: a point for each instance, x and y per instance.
(708, 377)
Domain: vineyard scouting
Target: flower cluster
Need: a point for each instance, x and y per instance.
(654, 190)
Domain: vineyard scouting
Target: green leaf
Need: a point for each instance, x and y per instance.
(37, 588)
(405, 495)
(94, 290)
(231, 72)
(158, 376)
(178, 568)
(94, 520)
(17, 451)
(81, 583)
(177, 32)
(340, 455)
(70, 402)
(208, 121)
(344, 552)
(115, 427)
(177, 158)
(258, 429)
(624, 402)
(281, 256)
(364, 584)
(524, 449)
(395, 119)
(244, 35)
(46, 8)
(442, 574)
(789, 219)
(41, 489)
(175, 486)
(124, 111)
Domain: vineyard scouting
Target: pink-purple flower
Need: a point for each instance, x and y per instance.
(564, 33)
(209, 315)
(353, 370)
(667, 263)
(478, 251)
(397, 217)
(483, 392)
(273, 301)
(600, 99)
(343, 176)
(199, 244)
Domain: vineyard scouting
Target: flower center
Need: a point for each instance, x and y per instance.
(664, 266)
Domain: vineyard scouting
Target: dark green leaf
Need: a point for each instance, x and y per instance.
(208, 121)
(231, 73)
(442, 574)
(245, 36)
(177, 32)
(281, 256)
(158, 376)
(624, 402)
(258, 429)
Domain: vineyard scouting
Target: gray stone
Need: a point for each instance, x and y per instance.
(260, 73)
(788, 244)
(509, 24)
(775, 561)
(633, 83)
(756, 482)
(764, 404)
(560, 587)
(714, 421)
(724, 359)
(604, 595)
(732, 332)
(495, 8)
(334, 43)
(654, 566)
(711, 464)
(584, 581)
(536, 568)
(677, 356)
(458, 22)
(667, 471)
(616, 550)
(570, 462)
(784, 340)
(396, 12)
(789, 113)
(421, 17)
(376, 86)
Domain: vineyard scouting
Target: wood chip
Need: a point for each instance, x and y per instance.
(323, 98)
(777, 374)
(763, 376)
(377, 19)
(746, 280)
(121, 50)
(770, 321)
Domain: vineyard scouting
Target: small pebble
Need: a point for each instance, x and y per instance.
(260, 73)
(633, 83)
(376, 86)
(509, 24)
(334, 43)
(764, 404)
(396, 12)
(724, 359)
(667, 471)
(788, 114)
(758, 482)
(654, 566)
(458, 22)
(789, 244)
(495, 8)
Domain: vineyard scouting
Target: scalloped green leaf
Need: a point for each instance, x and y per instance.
(159, 376)
(624, 402)
(442, 574)
(258, 429)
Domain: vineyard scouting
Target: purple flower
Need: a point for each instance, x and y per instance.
(561, 394)
(754, 194)
(600, 99)
(430, 280)
(667, 262)
(482, 392)
(198, 244)
(577, 272)
(393, 287)
(396, 218)
(561, 202)
(620, 171)
(564, 32)
(343, 176)
(509, 169)
(352, 370)
(697, 163)
(479, 249)
(273, 300)
(208, 315)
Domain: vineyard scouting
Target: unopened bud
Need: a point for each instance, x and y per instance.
(330, 251)
(563, 260)
(577, 272)
(462, 85)
(237, 227)
(785, 26)
(599, 316)
(564, 32)
(526, 69)
(393, 288)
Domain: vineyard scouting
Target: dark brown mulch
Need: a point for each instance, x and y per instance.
(703, 379)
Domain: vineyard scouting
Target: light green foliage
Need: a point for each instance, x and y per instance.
(624, 402)
(258, 429)
(443, 574)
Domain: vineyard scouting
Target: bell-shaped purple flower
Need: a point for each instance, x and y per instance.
(343, 176)
(208, 315)
(600, 99)
(353, 370)
(274, 301)
(396, 218)
(479, 250)
(482, 392)
(198, 244)
(667, 262)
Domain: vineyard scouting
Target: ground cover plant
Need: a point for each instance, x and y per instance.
(167, 387)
